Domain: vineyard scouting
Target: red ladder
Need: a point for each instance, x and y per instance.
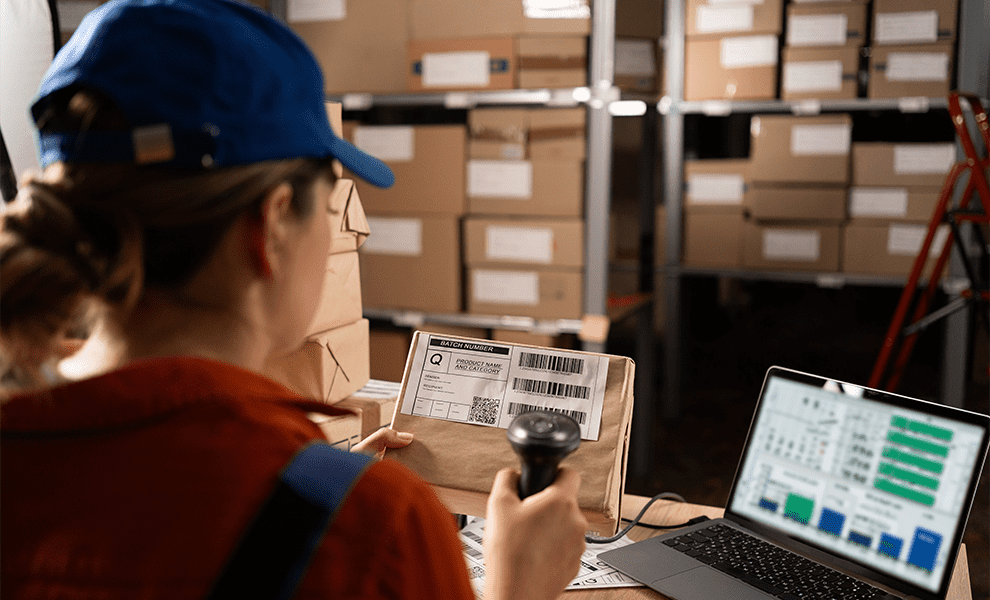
(976, 167)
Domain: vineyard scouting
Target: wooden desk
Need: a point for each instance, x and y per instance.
(665, 511)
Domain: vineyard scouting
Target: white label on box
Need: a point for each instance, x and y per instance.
(506, 287)
(755, 2)
(453, 69)
(917, 66)
(906, 240)
(489, 383)
(817, 30)
(525, 244)
(71, 14)
(377, 389)
(386, 142)
(298, 11)
(725, 188)
(878, 202)
(635, 57)
(924, 159)
(821, 140)
(813, 76)
(715, 19)
(500, 179)
(749, 51)
(556, 9)
(395, 236)
(791, 244)
(906, 27)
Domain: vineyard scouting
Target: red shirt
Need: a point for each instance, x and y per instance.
(139, 483)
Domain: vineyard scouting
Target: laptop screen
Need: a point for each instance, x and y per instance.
(879, 479)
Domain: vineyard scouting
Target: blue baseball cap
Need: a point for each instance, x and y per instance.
(203, 83)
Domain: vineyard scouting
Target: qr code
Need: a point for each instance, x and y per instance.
(476, 571)
(484, 410)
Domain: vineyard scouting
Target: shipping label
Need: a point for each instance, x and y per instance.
(511, 179)
(386, 142)
(878, 202)
(525, 244)
(917, 66)
(821, 140)
(298, 11)
(817, 30)
(907, 240)
(395, 236)
(813, 76)
(725, 188)
(906, 27)
(924, 159)
(489, 383)
(791, 244)
(455, 69)
(717, 19)
(749, 51)
(506, 287)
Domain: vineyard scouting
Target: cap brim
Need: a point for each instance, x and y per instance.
(363, 165)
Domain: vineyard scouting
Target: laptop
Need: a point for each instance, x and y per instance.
(841, 492)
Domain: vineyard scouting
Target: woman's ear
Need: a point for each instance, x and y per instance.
(269, 230)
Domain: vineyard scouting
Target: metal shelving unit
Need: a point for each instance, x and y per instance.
(973, 48)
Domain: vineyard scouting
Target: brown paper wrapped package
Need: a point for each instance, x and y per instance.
(460, 459)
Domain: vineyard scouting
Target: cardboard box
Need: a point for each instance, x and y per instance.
(715, 184)
(541, 294)
(342, 431)
(636, 65)
(426, 161)
(533, 242)
(889, 249)
(488, 18)
(412, 262)
(702, 18)
(713, 239)
(442, 448)
(362, 49)
(340, 300)
(389, 348)
(801, 149)
(528, 338)
(909, 71)
(888, 164)
(552, 62)
(516, 134)
(525, 187)
(791, 246)
(826, 24)
(914, 21)
(892, 203)
(821, 73)
(558, 134)
(374, 404)
(348, 223)
(731, 68)
(330, 366)
(797, 203)
(461, 64)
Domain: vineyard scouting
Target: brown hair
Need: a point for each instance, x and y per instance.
(85, 235)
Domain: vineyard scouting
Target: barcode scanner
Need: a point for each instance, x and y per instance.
(541, 439)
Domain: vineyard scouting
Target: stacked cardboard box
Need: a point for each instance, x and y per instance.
(714, 191)
(334, 360)
(731, 49)
(823, 49)
(524, 234)
(895, 190)
(913, 48)
(412, 261)
(800, 172)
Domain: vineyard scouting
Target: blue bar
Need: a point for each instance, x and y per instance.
(924, 548)
(890, 545)
(768, 504)
(859, 538)
(831, 521)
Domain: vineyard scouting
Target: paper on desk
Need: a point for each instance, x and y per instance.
(592, 574)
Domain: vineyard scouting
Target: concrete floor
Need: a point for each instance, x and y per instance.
(730, 344)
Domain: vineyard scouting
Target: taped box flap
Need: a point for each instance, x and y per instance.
(460, 459)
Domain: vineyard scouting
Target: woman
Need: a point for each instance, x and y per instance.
(181, 219)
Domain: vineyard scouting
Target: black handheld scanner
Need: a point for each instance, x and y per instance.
(542, 439)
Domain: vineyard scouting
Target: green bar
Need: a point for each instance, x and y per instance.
(917, 444)
(919, 427)
(909, 476)
(903, 492)
(799, 508)
(911, 459)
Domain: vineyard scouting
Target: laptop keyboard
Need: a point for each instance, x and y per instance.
(771, 568)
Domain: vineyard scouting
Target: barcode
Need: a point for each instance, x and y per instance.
(549, 362)
(551, 388)
(517, 408)
(474, 553)
(474, 536)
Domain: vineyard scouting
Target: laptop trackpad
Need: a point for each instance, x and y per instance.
(705, 582)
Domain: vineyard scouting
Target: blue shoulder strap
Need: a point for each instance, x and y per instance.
(273, 555)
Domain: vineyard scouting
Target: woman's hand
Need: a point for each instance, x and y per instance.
(533, 547)
(386, 437)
